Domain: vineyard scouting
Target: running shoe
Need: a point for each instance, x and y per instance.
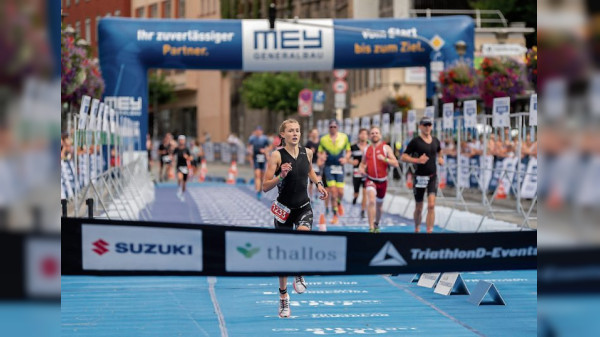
(299, 284)
(340, 210)
(334, 220)
(284, 306)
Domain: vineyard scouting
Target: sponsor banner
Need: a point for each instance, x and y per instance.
(498, 169)
(429, 112)
(265, 252)
(411, 120)
(510, 167)
(209, 152)
(450, 163)
(93, 113)
(569, 270)
(533, 110)
(501, 112)
(289, 46)
(365, 122)
(42, 267)
(474, 177)
(385, 124)
(348, 126)
(529, 187)
(225, 153)
(470, 113)
(487, 167)
(83, 111)
(137, 248)
(376, 121)
(463, 173)
(127, 247)
(448, 111)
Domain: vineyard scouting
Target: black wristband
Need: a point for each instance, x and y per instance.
(320, 182)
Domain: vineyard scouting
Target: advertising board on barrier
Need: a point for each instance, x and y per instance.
(266, 252)
(140, 248)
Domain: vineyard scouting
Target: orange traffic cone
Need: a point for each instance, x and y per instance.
(501, 191)
(442, 182)
(203, 171)
(322, 223)
(409, 181)
(232, 173)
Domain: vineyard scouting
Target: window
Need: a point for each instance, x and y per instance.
(88, 29)
(68, 2)
(76, 2)
(153, 11)
(139, 12)
(378, 77)
(117, 12)
(167, 10)
(78, 29)
(181, 13)
(371, 78)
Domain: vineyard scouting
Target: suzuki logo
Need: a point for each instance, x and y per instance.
(100, 247)
(387, 256)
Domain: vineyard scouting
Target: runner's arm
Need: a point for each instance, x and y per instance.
(273, 164)
(313, 176)
(391, 158)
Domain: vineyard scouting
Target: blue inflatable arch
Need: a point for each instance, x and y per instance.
(129, 47)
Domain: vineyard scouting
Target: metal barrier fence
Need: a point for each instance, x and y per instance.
(107, 171)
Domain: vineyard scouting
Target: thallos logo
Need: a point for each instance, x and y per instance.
(100, 247)
(248, 251)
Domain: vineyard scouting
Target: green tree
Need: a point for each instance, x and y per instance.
(160, 91)
(275, 92)
(513, 11)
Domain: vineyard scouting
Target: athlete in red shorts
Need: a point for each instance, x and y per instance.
(375, 162)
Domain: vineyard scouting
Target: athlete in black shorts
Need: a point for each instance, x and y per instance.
(288, 168)
(422, 151)
(358, 179)
(183, 157)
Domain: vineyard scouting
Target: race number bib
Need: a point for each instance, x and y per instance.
(280, 212)
(337, 169)
(166, 159)
(183, 169)
(260, 158)
(422, 181)
(357, 173)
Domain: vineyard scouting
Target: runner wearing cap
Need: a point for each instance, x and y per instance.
(183, 157)
(375, 163)
(337, 148)
(258, 145)
(290, 169)
(421, 151)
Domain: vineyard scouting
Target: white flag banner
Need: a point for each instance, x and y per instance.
(377, 121)
(113, 121)
(365, 123)
(533, 110)
(93, 112)
(83, 111)
(529, 187)
(106, 119)
(100, 116)
(463, 173)
(411, 120)
(398, 125)
(385, 124)
(355, 127)
(348, 126)
(501, 112)
(470, 113)
(429, 112)
(448, 110)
